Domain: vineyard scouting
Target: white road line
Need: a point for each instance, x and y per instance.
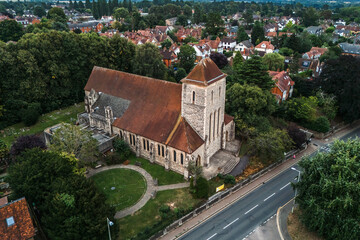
(230, 223)
(251, 209)
(269, 197)
(285, 186)
(212, 236)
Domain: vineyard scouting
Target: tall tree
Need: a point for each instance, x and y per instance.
(310, 17)
(23, 143)
(219, 59)
(214, 25)
(148, 61)
(328, 191)
(341, 77)
(10, 30)
(57, 14)
(241, 35)
(257, 33)
(187, 56)
(39, 11)
(87, 4)
(274, 61)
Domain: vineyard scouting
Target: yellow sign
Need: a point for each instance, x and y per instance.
(220, 188)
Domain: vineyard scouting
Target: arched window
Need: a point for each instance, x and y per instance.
(134, 140)
(158, 149)
(219, 92)
(174, 156)
(218, 120)
(130, 139)
(212, 96)
(147, 143)
(144, 144)
(162, 151)
(210, 129)
(193, 97)
(182, 159)
(214, 125)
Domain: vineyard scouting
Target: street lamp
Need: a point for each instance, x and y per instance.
(109, 224)
(298, 180)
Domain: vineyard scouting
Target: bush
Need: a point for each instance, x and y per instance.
(202, 188)
(122, 148)
(321, 124)
(114, 158)
(31, 115)
(229, 179)
(26, 142)
(228, 54)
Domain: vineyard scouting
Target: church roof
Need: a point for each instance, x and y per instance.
(154, 109)
(204, 73)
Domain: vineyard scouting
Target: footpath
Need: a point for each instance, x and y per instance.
(232, 198)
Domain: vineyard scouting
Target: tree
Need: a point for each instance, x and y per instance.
(241, 35)
(187, 11)
(254, 72)
(328, 191)
(194, 171)
(302, 109)
(39, 11)
(219, 59)
(57, 14)
(321, 124)
(187, 56)
(148, 61)
(286, 51)
(23, 143)
(270, 146)
(327, 104)
(257, 33)
(274, 61)
(72, 139)
(4, 153)
(182, 20)
(166, 44)
(180, 74)
(87, 4)
(298, 136)
(10, 30)
(120, 13)
(310, 17)
(122, 148)
(214, 25)
(341, 77)
(202, 188)
(31, 115)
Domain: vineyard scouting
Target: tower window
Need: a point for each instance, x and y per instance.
(182, 159)
(193, 97)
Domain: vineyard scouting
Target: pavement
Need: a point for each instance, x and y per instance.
(150, 187)
(239, 214)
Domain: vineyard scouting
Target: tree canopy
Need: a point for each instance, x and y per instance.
(274, 61)
(329, 190)
(187, 56)
(10, 30)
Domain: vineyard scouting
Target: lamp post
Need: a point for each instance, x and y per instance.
(109, 224)
(298, 180)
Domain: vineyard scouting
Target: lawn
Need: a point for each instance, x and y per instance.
(157, 171)
(122, 187)
(68, 114)
(147, 216)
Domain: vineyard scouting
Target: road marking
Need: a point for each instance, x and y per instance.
(251, 209)
(285, 186)
(230, 223)
(269, 197)
(212, 236)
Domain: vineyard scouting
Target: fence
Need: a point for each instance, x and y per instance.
(218, 196)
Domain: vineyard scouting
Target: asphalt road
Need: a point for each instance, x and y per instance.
(242, 217)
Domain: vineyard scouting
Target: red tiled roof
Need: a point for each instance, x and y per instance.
(23, 227)
(267, 44)
(155, 105)
(204, 73)
(3, 201)
(184, 137)
(228, 119)
(282, 79)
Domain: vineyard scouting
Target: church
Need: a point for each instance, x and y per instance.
(169, 124)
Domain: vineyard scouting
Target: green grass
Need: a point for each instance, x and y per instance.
(149, 214)
(129, 187)
(213, 184)
(244, 148)
(68, 114)
(157, 171)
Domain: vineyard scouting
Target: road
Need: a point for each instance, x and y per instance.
(241, 218)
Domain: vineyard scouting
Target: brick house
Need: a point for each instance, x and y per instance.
(284, 86)
(314, 53)
(87, 26)
(265, 46)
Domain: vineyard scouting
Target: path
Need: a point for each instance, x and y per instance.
(150, 188)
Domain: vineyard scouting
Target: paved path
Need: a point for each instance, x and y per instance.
(150, 188)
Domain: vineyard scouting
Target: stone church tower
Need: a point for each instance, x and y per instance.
(203, 105)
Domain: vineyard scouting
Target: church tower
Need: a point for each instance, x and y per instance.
(203, 104)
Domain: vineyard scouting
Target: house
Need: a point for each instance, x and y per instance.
(16, 221)
(202, 50)
(357, 39)
(215, 45)
(169, 57)
(342, 32)
(284, 86)
(244, 45)
(171, 21)
(310, 64)
(316, 30)
(270, 27)
(228, 43)
(265, 46)
(87, 26)
(233, 31)
(350, 49)
(169, 124)
(314, 53)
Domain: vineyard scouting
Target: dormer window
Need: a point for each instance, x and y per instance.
(10, 221)
(193, 97)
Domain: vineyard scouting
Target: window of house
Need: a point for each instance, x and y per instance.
(182, 159)
(193, 97)
(158, 149)
(121, 135)
(10, 221)
(162, 151)
(174, 156)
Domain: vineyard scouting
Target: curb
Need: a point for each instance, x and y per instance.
(278, 218)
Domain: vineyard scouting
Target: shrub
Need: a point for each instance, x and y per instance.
(114, 158)
(122, 148)
(31, 115)
(26, 142)
(202, 188)
(321, 124)
(229, 179)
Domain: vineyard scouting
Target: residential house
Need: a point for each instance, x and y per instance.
(284, 86)
(169, 124)
(232, 31)
(202, 50)
(85, 27)
(316, 30)
(171, 21)
(342, 32)
(310, 64)
(270, 27)
(16, 221)
(228, 43)
(314, 53)
(265, 46)
(350, 49)
(215, 45)
(169, 57)
(240, 47)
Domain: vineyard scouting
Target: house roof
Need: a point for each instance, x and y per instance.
(228, 40)
(282, 80)
(350, 48)
(23, 227)
(154, 108)
(228, 119)
(247, 44)
(267, 45)
(204, 73)
(316, 51)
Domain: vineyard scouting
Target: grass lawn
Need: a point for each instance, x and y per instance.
(297, 229)
(68, 114)
(157, 171)
(129, 187)
(149, 214)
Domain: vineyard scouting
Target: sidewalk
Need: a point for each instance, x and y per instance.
(230, 199)
(281, 219)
